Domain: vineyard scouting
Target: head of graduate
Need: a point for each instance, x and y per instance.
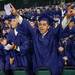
(44, 24)
(72, 22)
(13, 21)
(6, 21)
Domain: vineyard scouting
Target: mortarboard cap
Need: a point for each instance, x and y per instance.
(9, 17)
(46, 18)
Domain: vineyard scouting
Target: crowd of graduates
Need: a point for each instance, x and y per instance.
(40, 37)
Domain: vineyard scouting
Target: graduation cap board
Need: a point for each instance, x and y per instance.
(46, 18)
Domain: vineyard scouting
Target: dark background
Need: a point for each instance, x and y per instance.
(30, 3)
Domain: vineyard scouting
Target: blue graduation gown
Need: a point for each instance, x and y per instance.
(22, 42)
(23, 28)
(10, 54)
(2, 57)
(70, 44)
(45, 52)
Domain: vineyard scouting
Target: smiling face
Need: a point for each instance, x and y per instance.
(43, 26)
(14, 23)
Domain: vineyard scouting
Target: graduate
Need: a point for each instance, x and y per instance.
(21, 26)
(9, 64)
(21, 41)
(68, 35)
(46, 52)
(6, 58)
(45, 45)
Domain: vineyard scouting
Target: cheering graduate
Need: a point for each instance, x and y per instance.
(45, 39)
(68, 35)
(45, 45)
(21, 41)
(19, 25)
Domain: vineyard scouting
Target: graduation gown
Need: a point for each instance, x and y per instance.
(45, 49)
(2, 57)
(70, 44)
(21, 42)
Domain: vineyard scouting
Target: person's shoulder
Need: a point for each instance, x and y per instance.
(25, 21)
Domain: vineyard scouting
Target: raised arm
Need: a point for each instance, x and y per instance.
(67, 18)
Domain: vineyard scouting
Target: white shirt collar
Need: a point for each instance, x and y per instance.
(44, 34)
(15, 31)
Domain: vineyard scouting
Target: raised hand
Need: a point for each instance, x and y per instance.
(13, 10)
(71, 12)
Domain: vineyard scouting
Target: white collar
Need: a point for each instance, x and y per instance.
(44, 34)
(15, 31)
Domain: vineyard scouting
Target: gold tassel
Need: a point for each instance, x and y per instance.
(11, 60)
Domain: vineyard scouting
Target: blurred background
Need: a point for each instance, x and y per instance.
(32, 3)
